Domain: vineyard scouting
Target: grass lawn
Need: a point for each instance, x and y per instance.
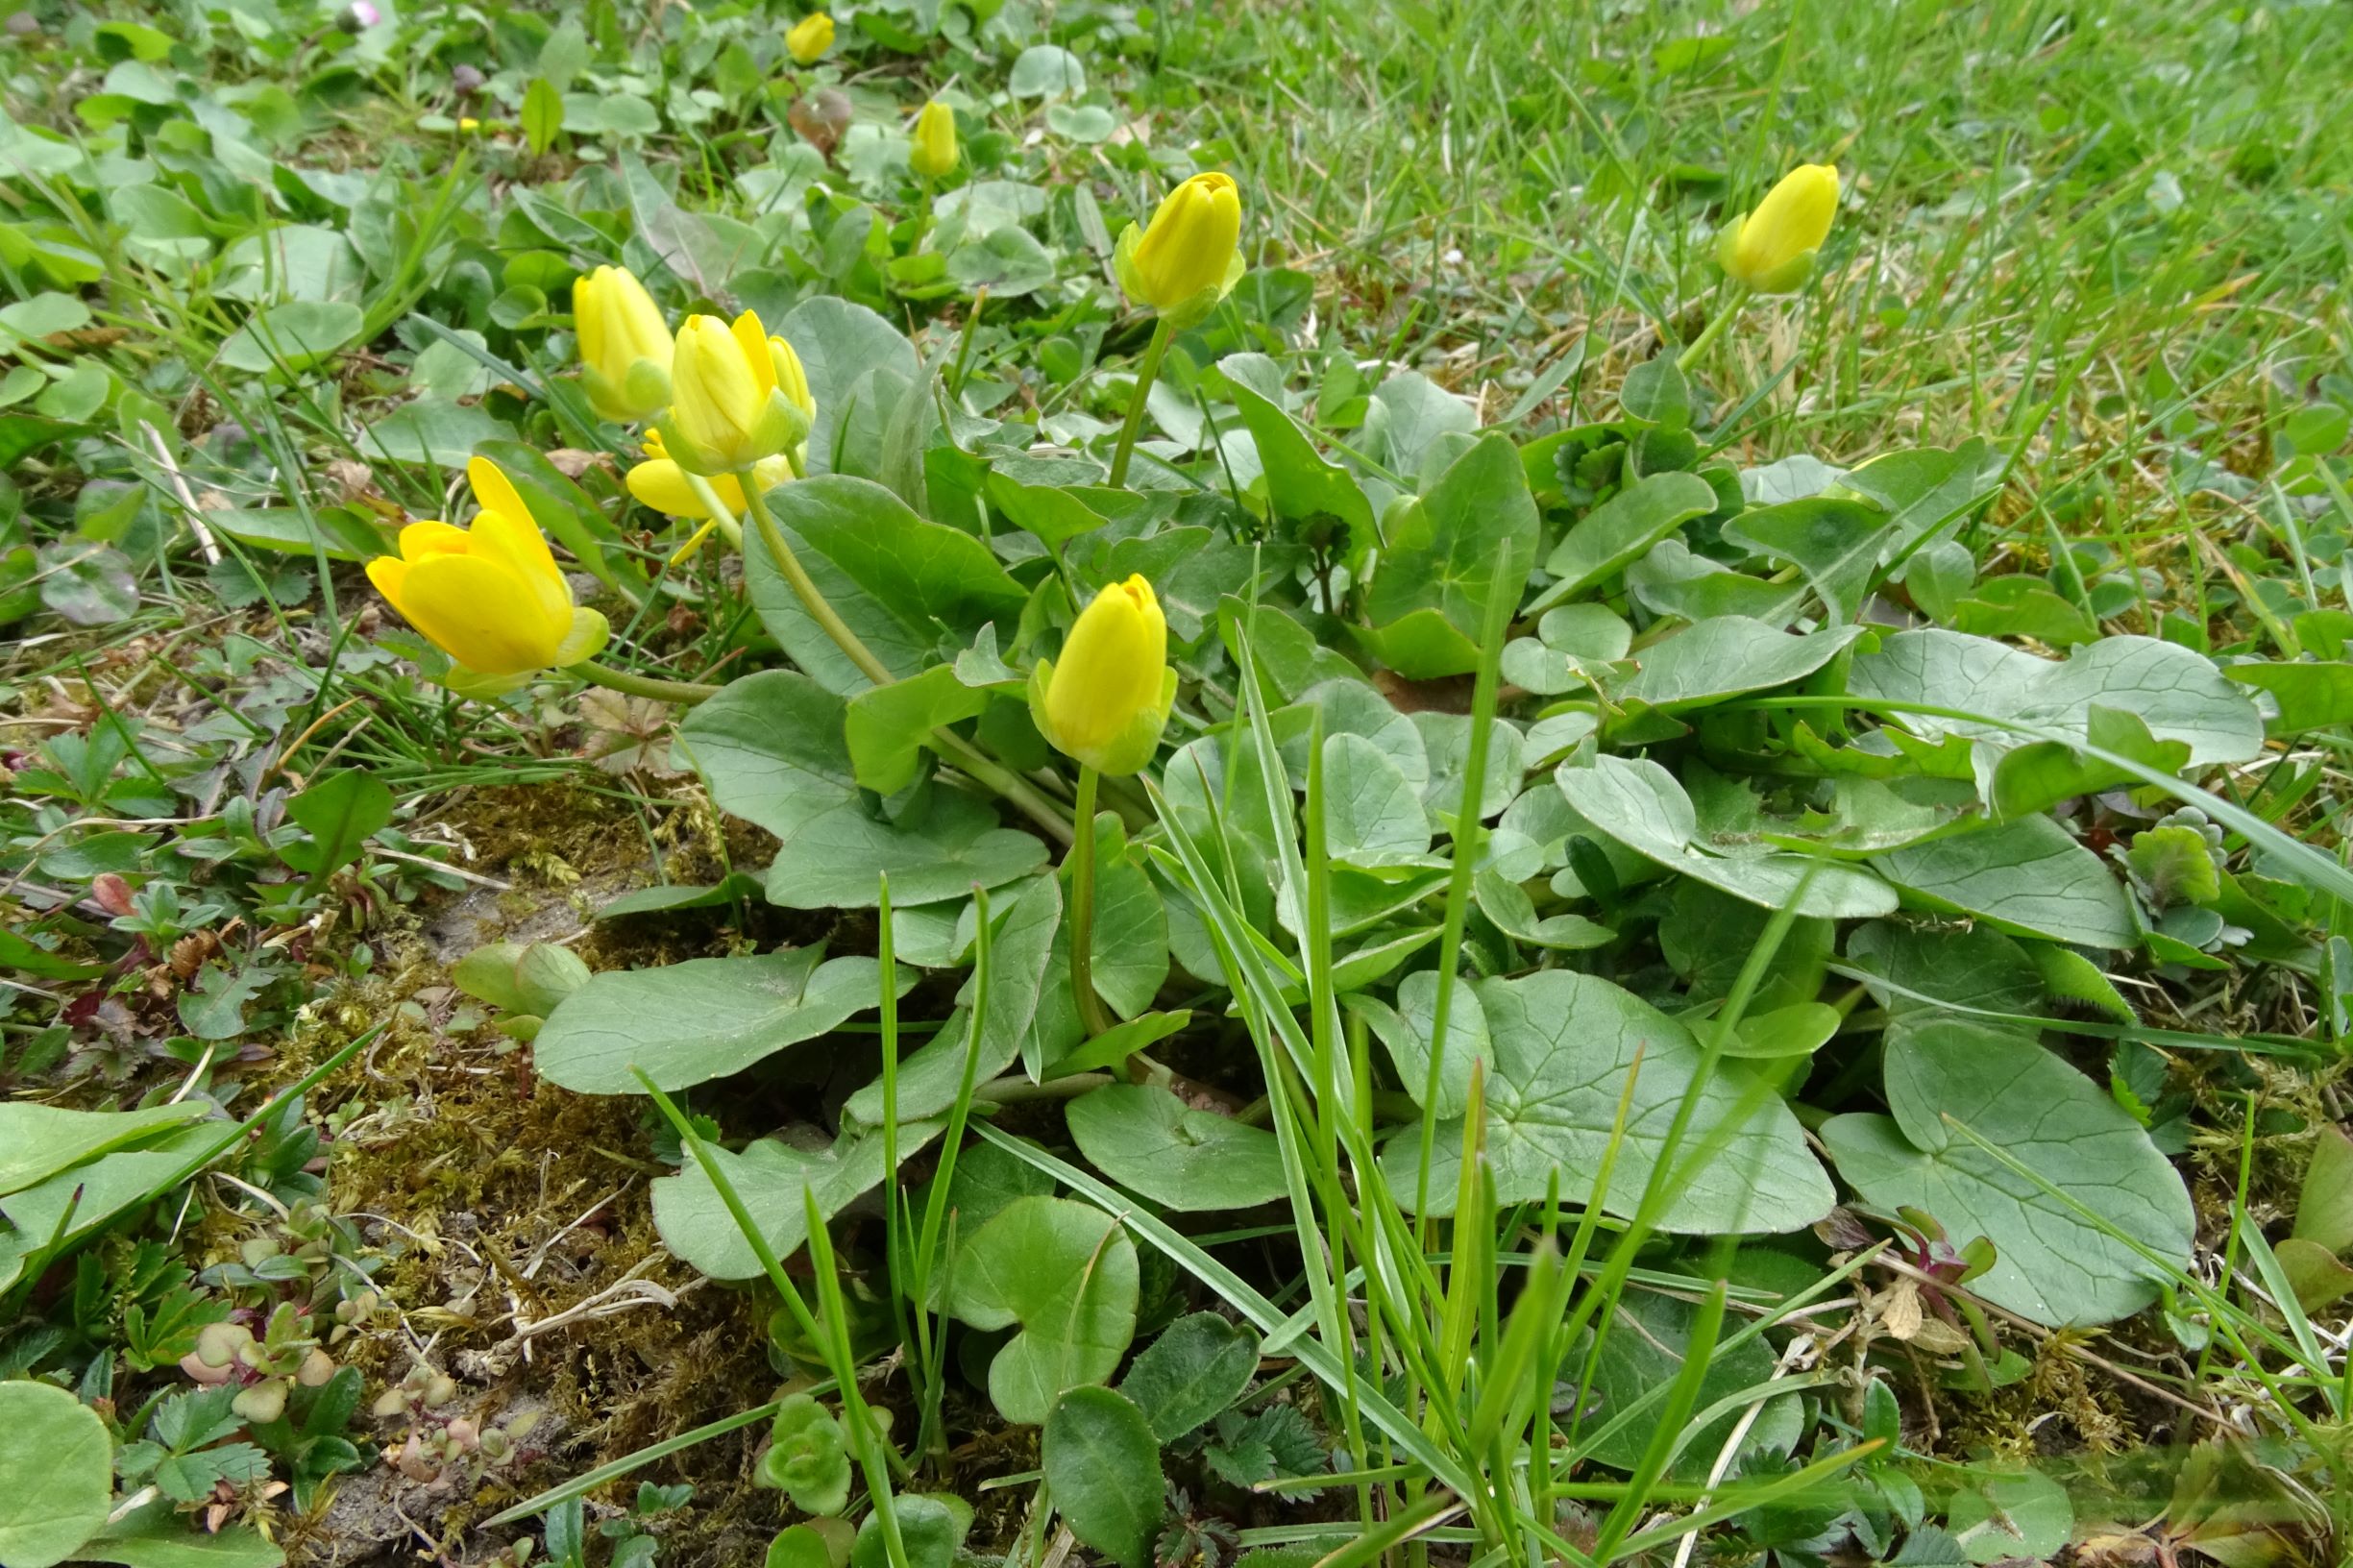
(1269, 783)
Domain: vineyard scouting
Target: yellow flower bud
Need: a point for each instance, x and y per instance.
(491, 596)
(935, 152)
(736, 395)
(1184, 260)
(810, 37)
(624, 344)
(1772, 249)
(1107, 700)
(660, 484)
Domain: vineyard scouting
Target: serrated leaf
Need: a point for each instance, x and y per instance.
(1198, 1366)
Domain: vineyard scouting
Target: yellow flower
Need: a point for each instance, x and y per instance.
(810, 37)
(1772, 249)
(469, 125)
(624, 344)
(737, 395)
(1184, 260)
(660, 484)
(491, 596)
(935, 152)
(1107, 699)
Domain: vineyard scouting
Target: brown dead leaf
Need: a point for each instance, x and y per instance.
(349, 479)
(821, 118)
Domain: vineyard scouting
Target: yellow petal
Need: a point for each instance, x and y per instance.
(518, 547)
(753, 339)
(663, 485)
(935, 152)
(785, 365)
(642, 326)
(388, 573)
(686, 552)
(493, 490)
(810, 37)
(1795, 217)
(433, 537)
(466, 606)
(587, 319)
(1190, 242)
(1110, 669)
(715, 399)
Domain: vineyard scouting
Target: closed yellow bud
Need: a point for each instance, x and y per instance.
(736, 395)
(810, 37)
(1186, 259)
(491, 596)
(624, 344)
(660, 484)
(935, 152)
(1772, 249)
(1107, 698)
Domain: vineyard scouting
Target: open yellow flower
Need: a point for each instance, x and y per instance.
(810, 37)
(1772, 249)
(1186, 259)
(1107, 700)
(736, 395)
(935, 152)
(490, 596)
(624, 344)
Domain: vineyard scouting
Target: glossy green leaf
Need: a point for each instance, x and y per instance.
(1621, 530)
(2178, 694)
(1642, 806)
(899, 583)
(37, 1140)
(56, 1467)
(887, 726)
(1564, 1044)
(770, 1176)
(687, 1023)
(1726, 657)
(2052, 1263)
(2028, 876)
(1145, 1139)
(1102, 1468)
(1444, 552)
(1064, 1273)
(1026, 927)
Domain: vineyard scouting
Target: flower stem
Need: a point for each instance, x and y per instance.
(1007, 784)
(1735, 300)
(629, 685)
(1146, 374)
(718, 508)
(812, 599)
(951, 745)
(1090, 1009)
